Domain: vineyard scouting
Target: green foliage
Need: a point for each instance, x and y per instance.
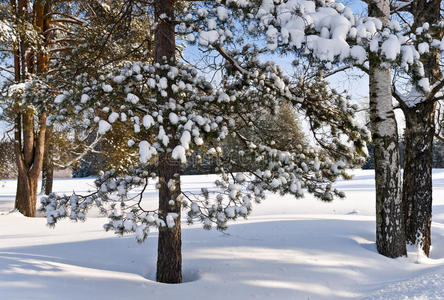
(281, 129)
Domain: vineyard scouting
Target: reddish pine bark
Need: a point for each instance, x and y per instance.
(169, 252)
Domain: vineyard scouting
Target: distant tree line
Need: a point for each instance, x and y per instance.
(93, 162)
(438, 155)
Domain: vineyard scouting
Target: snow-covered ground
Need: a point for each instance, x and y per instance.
(287, 249)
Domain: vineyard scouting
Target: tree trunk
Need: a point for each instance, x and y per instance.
(417, 188)
(419, 133)
(169, 251)
(29, 139)
(390, 235)
(29, 160)
(48, 164)
(26, 198)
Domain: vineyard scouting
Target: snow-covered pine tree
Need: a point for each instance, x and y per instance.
(28, 38)
(25, 39)
(174, 110)
(95, 34)
(344, 40)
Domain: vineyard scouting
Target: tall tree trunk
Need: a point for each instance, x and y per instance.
(390, 235)
(419, 133)
(29, 139)
(417, 186)
(48, 164)
(169, 251)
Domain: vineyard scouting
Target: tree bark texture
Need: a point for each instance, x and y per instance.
(417, 185)
(26, 198)
(29, 163)
(169, 252)
(419, 133)
(48, 164)
(29, 138)
(390, 235)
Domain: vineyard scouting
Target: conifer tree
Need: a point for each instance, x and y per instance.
(96, 35)
(173, 111)
(25, 37)
(385, 44)
(343, 40)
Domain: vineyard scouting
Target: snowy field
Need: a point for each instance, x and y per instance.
(287, 249)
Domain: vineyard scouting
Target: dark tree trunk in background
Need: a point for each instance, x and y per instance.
(169, 252)
(417, 186)
(419, 133)
(48, 164)
(390, 235)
